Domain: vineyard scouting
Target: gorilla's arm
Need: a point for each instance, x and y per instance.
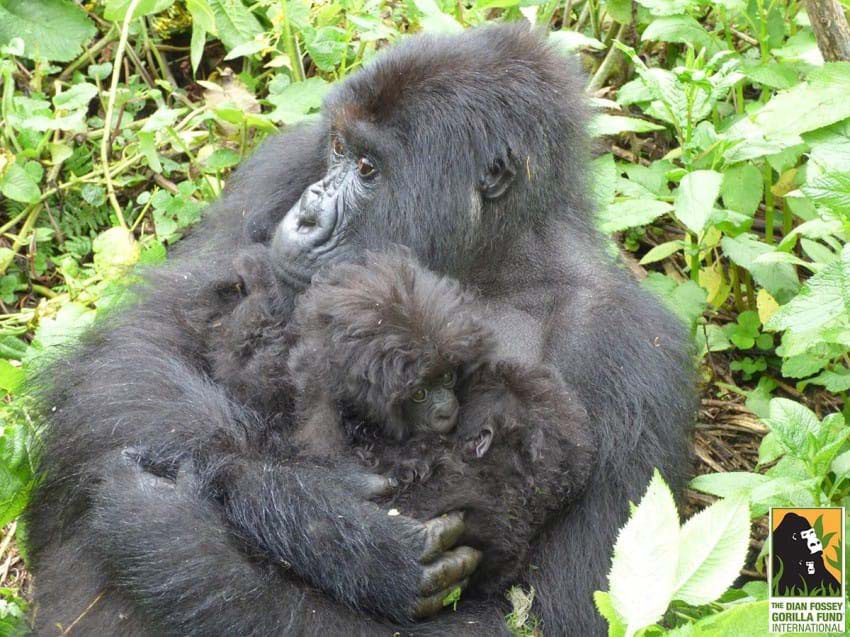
(164, 543)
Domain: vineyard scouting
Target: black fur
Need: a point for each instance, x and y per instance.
(116, 551)
(367, 336)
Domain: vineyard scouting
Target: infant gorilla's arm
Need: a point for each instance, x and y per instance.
(383, 342)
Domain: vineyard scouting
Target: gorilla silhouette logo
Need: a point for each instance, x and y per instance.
(798, 561)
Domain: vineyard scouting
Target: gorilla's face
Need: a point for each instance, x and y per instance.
(313, 232)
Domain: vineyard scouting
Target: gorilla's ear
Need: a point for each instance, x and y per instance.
(499, 176)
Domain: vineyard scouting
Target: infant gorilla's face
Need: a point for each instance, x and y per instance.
(433, 405)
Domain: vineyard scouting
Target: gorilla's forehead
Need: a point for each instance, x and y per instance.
(470, 73)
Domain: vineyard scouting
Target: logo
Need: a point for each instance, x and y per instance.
(806, 573)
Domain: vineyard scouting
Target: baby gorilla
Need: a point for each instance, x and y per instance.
(396, 366)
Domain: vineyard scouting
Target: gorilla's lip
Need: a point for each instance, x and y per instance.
(292, 276)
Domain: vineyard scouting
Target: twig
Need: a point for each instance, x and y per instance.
(607, 65)
(110, 107)
(88, 54)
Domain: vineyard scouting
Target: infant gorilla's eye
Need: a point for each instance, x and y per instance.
(365, 167)
(338, 147)
(419, 395)
(448, 379)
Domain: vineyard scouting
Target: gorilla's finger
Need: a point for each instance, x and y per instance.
(433, 604)
(441, 534)
(454, 567)
(372, 485)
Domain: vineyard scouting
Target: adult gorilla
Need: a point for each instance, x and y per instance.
(471, 150)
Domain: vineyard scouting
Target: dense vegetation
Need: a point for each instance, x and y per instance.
(723, 174)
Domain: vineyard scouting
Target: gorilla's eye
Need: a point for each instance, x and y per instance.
(419, 395)
(448, 379)
(338, 146)
(365, 167)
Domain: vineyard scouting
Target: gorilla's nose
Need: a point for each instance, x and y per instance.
(309, 224)
(444, 420)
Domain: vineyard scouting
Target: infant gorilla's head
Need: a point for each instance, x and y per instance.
(389, 341)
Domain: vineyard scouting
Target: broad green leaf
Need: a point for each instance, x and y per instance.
(162, 118)
(818, 102)
(731, 484)
(741, 620)
(571, 41)
(742, 188)
(604, 124)
(662, 251)
(11, 377)
(295, 101)
(434, 20)
(773, 74)
(712, 550)
(603, 174)
(780, 279)
(695, 198)
(327, 47)
(17, 184)
(604, 605)
(791, 422)
(666, 7)
(823, 301)
(147, 144)
(836, 382)
(831, 190)
(678, 28)
(50, 29)
(116, 10)
(235, 23)
(619, 10)
(630, 213)
(830, 147)
(115, 252)
(203, 17)
(686, 300)
(78, 96)
(643, 569)
(196, 46)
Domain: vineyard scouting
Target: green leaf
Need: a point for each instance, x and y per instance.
(731, 484)
(603, 124)
(11, 377)
(678, 28)
(51, 29)
(147, 144)
(741, 620)
(203, 17)
(603, 174)
(712, 551)
(742, 188)
(823, 301)
(221, 159)
(17, 184)
(115, 252)
(630, 213)
(605, 607)
(116, 10)
(665, 7)
(235, 23)
(791, 422)
(831, 190)
(662, 251)
(780, 279)
(695, 198)
(571, 41)
(295, 101)
(327, 47)
(78, 96)
(196, 46)
(818, 102)
(643, 569)
(434, 20)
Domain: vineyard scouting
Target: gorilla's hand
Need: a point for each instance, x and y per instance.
(319, 522)
(444, 566)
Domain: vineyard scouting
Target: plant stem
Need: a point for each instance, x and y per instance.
(608, 64)
(106, 140)
(89, 53)
(768, 203)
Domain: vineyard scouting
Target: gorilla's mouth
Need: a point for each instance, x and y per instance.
(292, 276)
